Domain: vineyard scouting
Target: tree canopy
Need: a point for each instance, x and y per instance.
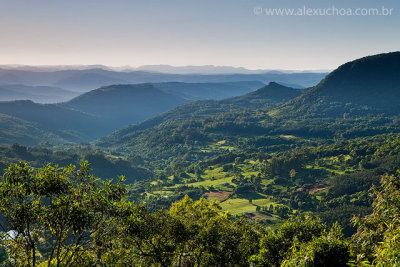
(55, 216)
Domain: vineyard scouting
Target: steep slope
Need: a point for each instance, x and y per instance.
(121, 105)
(367, 85)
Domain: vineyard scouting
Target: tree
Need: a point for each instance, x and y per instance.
(303, 241)
(51, 213)
(329, 250)
(191, 233)
(271, 208)
(214, 239)
(378, 235)
(3, 254)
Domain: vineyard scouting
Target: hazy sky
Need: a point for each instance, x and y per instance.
(188, 32)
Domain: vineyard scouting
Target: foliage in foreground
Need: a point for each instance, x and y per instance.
(378, 237)
(65, 217)
(50, 214)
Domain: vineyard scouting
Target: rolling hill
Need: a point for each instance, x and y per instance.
(189, 120)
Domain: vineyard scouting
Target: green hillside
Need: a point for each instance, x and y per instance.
(198, 123)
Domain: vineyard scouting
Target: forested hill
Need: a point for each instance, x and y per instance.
(266, 97)
(272, 93)
(367, 85)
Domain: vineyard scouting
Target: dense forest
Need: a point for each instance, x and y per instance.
(277, 176)
(65, 216)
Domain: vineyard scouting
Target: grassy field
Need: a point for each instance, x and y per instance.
(221, 184)
(238, 206)
(217, 184)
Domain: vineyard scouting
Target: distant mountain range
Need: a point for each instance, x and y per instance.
(211, 69)
(163, 68)
(83, 80)
(55, 84)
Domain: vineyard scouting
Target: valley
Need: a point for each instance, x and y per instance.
(199, 133)
(253, 153)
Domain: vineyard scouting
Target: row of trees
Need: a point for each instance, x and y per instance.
(66, 217)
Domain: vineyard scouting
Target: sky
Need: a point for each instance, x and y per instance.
(239, 33)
